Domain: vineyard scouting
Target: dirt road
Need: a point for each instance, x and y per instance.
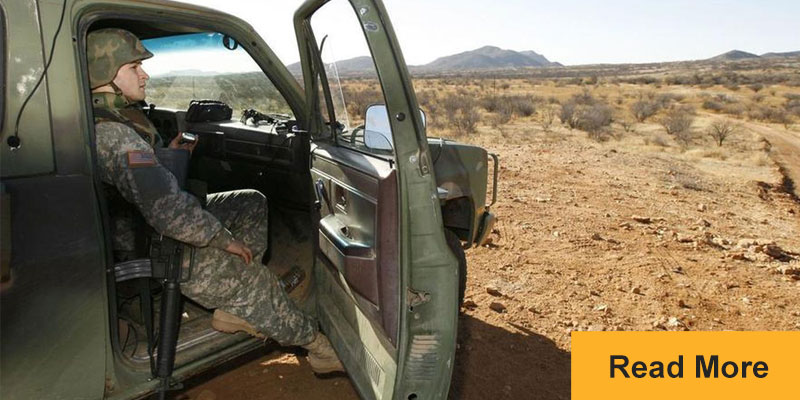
(785, 150)
(620, 235)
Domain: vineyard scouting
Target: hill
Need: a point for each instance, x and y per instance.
(781, 55)
(488, 57)
(733, 55)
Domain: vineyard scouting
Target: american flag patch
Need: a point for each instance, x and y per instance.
(137, 159)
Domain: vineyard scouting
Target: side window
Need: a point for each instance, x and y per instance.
(352, 78)
(209, 66)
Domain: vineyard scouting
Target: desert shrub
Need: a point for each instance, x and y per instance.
(678, 123)
(755, 87)
(720, 130)
(732, 86)
(793, 107)
(567, 113)
(359, 99)
(627, 125)
(792, 96)
(468, 118)
(677, 80)
(451, 105)
(593, 118)
(657, 139)
(726, 98)
(462, 113)
(770, 114)
(643, 108)
(585, 97)
(734, 109)
(429, 102)
(547, 115)
(490, 103)
(518, 105)
(665, 99)
(757, 98)
(522, 106)
(583, 111)
(574, 81)
(712, 105)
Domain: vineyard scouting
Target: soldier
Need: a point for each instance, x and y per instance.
(228, 234)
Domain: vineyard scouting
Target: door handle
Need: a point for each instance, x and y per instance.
(339, 236)
(322, 195)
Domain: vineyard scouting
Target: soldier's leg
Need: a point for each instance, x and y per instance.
(244, 213)
(252, 292)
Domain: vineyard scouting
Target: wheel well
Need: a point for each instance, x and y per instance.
(457, 216)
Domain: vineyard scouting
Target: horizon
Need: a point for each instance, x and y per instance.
(573, 33)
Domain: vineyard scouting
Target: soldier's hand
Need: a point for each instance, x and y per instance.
(238, 248)
(176, 144)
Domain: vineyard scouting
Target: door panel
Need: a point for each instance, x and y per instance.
(380, 225)
(349, 240)
(357, 264)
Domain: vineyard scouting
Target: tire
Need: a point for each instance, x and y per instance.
(454, 243)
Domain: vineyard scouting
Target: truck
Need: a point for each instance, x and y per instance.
(373, 213)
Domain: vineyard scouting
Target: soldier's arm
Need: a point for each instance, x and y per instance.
(128, 162)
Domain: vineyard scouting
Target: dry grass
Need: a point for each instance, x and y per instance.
(646, 108)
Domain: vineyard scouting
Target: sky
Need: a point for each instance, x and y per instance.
(572, 32)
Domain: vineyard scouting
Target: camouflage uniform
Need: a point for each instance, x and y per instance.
(125, 140)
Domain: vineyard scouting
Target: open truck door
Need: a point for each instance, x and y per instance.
(386, 280)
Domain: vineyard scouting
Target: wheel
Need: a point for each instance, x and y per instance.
(454, 243)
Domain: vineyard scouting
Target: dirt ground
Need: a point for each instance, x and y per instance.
(615, 235)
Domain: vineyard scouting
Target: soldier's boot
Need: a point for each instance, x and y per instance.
(322, 357)
(229, 323)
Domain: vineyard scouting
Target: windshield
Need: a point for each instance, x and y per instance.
(208, 66)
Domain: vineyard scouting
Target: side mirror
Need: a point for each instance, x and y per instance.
(378, 129)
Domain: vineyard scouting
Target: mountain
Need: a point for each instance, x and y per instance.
(733, 55)
(351, 66)
(781, 55)
(488, 57)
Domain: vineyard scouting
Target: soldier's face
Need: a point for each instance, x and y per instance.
(132, 80)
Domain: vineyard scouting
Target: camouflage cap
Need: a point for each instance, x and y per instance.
(108, 50)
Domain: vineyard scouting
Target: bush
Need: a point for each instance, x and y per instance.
(793, 107)
(521, 106)
(770, 114)
(462, 113)
(734, 109)
(467, 120)
(359, 100)
(721, 129)
(583, 111)
(678, 123)
(657, 139)
(712, 105)
(593, 119)
(490, 103)
(546, 117)
(643, 109)
(567, 113)
(626, 124)
(755, 87)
